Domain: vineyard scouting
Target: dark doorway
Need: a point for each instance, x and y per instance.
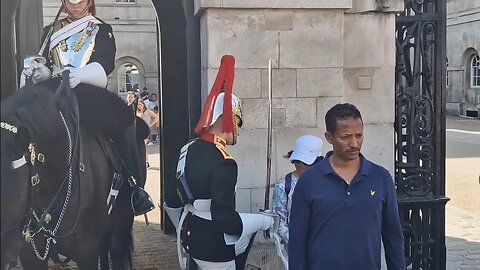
(180, 95)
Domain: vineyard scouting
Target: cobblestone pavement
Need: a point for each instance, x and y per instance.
(463, 239)
(153, 249)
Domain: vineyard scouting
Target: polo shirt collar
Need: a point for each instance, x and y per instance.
(326, 168)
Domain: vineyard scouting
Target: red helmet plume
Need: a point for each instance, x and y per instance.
(223, 81)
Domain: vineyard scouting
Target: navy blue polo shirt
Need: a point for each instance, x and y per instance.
(338, 226)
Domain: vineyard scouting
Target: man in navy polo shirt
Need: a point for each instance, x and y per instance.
(343, 207)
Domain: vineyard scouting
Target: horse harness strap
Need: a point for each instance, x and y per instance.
(34, 178)
(31, 148)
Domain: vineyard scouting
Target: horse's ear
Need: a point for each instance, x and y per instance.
(22, 138)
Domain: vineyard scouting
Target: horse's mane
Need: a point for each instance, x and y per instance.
(34, 108)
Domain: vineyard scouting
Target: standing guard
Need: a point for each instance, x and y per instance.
(85, 45)
(210, 230)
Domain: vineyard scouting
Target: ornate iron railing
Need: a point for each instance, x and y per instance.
(420, 131)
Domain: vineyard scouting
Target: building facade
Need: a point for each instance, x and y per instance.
(463, 47)
(135, 30)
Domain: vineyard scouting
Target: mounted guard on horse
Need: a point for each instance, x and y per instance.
(42, 141)
(85, 45)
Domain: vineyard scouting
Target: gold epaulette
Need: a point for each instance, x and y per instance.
(224, 152)
(220, 144)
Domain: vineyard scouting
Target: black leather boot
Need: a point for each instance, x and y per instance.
(141, 202)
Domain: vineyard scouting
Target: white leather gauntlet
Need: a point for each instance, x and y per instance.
(35, 69)
(275, 221)
(92, 74)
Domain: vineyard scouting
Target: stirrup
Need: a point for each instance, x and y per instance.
(141, 202)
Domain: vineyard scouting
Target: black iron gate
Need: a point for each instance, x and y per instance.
(420, 131)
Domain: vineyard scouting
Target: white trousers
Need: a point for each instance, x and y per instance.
(204, 265)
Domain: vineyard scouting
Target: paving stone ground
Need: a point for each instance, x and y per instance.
(463, 239)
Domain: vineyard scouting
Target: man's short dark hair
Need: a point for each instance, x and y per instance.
(340, 112)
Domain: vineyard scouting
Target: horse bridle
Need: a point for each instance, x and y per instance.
(46, 217)
(34, 178)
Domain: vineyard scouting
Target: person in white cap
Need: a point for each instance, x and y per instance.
(307, 152)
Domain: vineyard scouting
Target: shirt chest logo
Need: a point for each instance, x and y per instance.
(372, 193)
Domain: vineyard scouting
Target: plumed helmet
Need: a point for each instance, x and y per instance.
(218, 108)
(221, 100)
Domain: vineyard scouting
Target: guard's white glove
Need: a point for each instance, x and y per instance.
(92, 74)
(37, 71)
(268, 221)
(276, 220)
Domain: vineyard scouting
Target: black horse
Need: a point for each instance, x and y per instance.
(56, 178)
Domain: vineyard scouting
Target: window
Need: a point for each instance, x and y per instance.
(475, 72)
(128, 78)
(125, 1)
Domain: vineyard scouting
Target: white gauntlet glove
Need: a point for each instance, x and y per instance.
(34, 67)
(275, 220)
(267, 221)
(92, 74)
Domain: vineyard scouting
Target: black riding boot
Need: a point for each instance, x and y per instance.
(140, 200)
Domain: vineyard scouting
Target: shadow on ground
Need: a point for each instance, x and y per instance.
(462, 254)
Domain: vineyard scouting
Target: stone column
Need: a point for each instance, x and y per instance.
(326, 52)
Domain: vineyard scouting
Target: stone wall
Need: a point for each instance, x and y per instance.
(325, 52)
(463, 41)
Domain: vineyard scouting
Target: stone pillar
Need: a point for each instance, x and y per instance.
(326, 52)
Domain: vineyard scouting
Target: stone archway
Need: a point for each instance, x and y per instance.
(115, 77)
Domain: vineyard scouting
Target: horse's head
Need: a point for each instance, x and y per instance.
(27, 116)
(15, 189)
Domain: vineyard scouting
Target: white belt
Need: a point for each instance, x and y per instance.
(200, 208)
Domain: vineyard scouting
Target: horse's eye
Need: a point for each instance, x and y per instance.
(19, 163)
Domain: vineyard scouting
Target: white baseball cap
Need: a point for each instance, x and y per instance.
(307, 149)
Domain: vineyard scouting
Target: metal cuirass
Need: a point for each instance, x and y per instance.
(75, 51)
